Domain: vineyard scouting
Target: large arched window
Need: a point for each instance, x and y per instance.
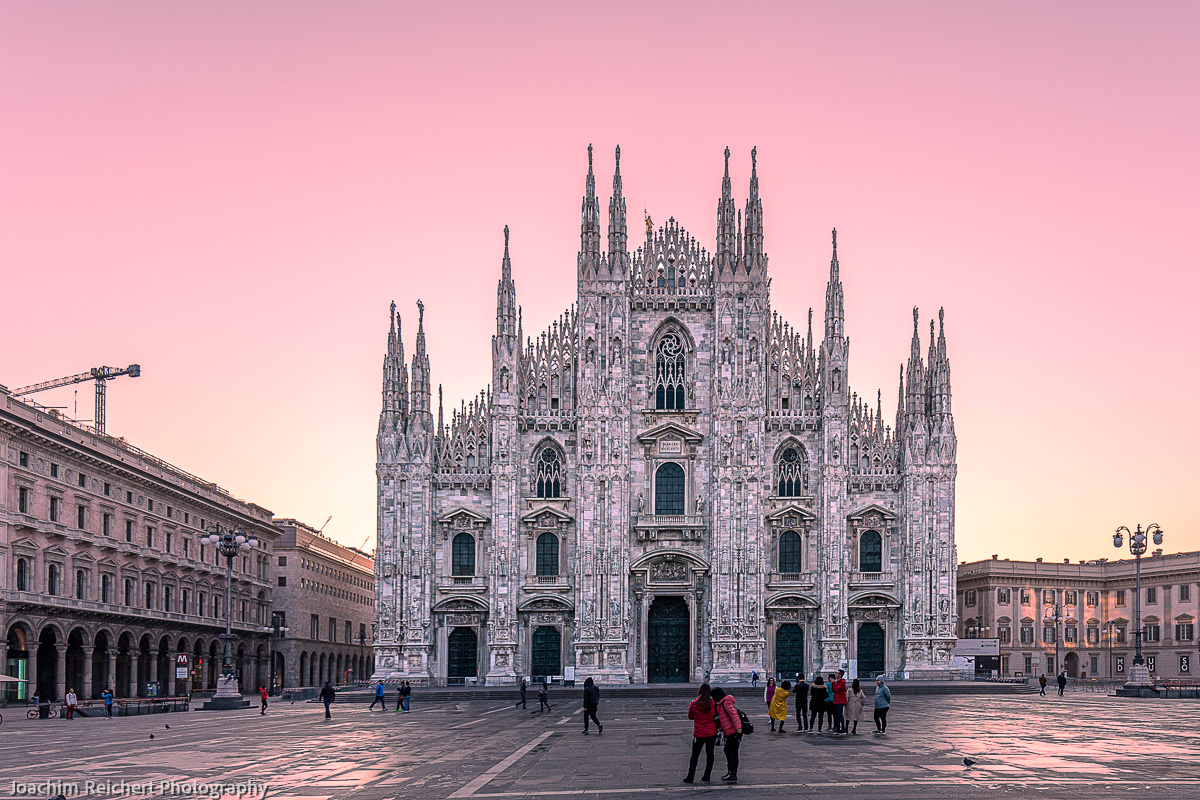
(547, 554)
(462, 555)
(669, 373)
(792, 473)
(789, 552)
(668, 489)
(22, 575)
(870, 552)
(547, 479)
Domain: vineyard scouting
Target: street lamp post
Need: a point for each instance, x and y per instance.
(276, 629)
(1109, 631)
(1139, 675)
(229, 543)
(1056, 618)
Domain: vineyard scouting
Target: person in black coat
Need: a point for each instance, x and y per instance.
(327, 695)
(524, 689)
(801, 690)
(591, 702)
(816, 708)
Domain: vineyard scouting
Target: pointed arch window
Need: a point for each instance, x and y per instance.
(790, 560)
(870, 552)
(668, 489)
(792, 473)
(670, 371)
(547, 554)
(548, 475)
(52, 583)
(462, 555)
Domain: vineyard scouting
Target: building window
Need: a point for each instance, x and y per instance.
(1003, 596)
(1005, 634)
(166, 598)
(170, 537)
(790, 547)
(149, 537)
(1069, 634)
(52, 580)
(1120, 597)
(1093, 599)
(1026, 599)
(129, 497)
(1070, 598)
(54, 509)
(108, 490)
(462, 555)
(283, 561)
(548, 473)
(79, 584)
(969, 597)
(1048, 597)
(106, 524)
(105, 588)
(1120, 636)
(1151, 595)
(669, 371)
(200, 606)
(128, 592)
(23, 459)
(81, 517)
(1048, 633)
(314, 627)
(332, 629)
(1093, 636)
(149, 595)
(793, 473)
(870, 552)
(169, 510)
(1153, 633)
(23, 500)
(82, 481)
(348, 632)
(22, 575)
(1185, 592)
(187, 546)
(282, 580)
(184, 605)
(1026, 634)
(1184, 632)
(668, 489)
(54, 470)
(547, 554)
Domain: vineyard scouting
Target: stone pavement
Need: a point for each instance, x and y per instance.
(1079, 747)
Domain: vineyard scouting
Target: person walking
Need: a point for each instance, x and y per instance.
(816, 711)
(378, 698)
(838, 685)
(544, 697)
(591, 703)
(262, 694)
(71, 702)
(730, 724)
(703, 713)
(769, 692)
(1062, 682)
(407, 693)
(800, 691)
(778, 707)
(521, 702)
(1042, 684)
(754, 679)
(327, 695)
(107, 697)
(399, 696)
(854, 705)
(883, 701)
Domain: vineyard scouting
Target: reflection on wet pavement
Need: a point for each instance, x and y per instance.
(1082, 746)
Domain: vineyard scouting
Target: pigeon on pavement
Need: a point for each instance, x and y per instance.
(969, 762)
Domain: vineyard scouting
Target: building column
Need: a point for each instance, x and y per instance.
(153, 665)
(31, 667)
(86, 693)
(60, 671)
(110, 678)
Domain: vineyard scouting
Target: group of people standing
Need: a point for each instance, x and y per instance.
(833, 702)
(403, 693)
(714, 716)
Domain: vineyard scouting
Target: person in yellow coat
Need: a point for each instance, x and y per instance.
(778, 707)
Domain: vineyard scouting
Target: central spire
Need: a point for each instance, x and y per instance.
(618, 234)
(753, 250)
(835, 312)
(589, 229)
(726, 225)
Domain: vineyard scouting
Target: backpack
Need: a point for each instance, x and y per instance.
(747, 725)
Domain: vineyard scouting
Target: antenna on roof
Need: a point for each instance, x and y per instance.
(322, 528)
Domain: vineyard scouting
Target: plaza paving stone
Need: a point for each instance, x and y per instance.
(1081, 746)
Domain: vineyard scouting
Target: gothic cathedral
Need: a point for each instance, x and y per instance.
(670, 483)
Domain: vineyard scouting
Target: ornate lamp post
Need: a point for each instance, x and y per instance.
(229, 543)
(1056, 618)
(277, 629)
(1139, 675)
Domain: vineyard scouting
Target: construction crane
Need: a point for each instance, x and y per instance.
(101, 375)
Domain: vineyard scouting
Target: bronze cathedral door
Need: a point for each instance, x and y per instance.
(667, 641)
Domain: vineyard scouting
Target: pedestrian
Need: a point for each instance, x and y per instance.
(521, 702)
(378, 698)
(838, 685)
(703, 713)
(770, 691)
(1062, 682)
(816, 709)
(71, 701)
(591, 703)
(262, 694)
(854, 705)
(883, 701)
(544, 697)
(399, 696)
(778, 708)
(800, 692)
(1042, 683)
(730, 723)
(754, 678)
(107, 697)
(407, 691)
(327, 695)
(829, 704)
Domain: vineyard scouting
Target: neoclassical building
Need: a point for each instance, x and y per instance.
(669, 482)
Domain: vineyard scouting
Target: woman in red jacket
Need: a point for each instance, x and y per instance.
(731, 725)
(703, 713)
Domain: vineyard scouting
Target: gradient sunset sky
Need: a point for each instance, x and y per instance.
(230, 194)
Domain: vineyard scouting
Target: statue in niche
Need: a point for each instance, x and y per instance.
(641, 503)
(699, 504)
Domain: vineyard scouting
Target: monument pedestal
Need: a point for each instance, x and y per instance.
(227, 696)
(1139, 683)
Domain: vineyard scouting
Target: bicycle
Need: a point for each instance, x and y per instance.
(33, 713)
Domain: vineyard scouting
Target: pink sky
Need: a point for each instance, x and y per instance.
(231, 194)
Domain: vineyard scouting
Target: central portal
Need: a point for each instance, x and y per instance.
(667, 641)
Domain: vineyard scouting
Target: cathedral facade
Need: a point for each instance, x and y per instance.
(670, 483)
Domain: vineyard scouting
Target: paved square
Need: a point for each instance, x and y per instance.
(1080, 746)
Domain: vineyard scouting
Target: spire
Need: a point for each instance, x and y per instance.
(810, 339)
(589, 230)
(420, 368)
(506, 296)
(618, 234)
(900, 402)
(726, 230)
(754, 225)
(835, 314)
(914, 404)
(441, 428)
(941, 385)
